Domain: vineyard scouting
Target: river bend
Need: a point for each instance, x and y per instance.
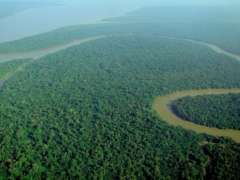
(161, 104)
(163, 107)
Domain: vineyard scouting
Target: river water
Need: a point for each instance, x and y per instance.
(161, 104)
(213, 47)
(40, 53)
(163, 107)
(73, 12)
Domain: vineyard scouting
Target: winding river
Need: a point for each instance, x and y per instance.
(162, 104)
(213, 47)
(163, 107)
(43, 52)
(40, 53)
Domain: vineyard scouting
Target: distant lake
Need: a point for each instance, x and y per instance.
(39, 20)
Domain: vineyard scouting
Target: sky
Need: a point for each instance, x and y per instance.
(161, 2)
(149, 2)
(166, 2)
(193, 2)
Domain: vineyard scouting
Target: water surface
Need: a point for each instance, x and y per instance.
(38, 20)
(213, 47)
(163, 107)
(40, 53)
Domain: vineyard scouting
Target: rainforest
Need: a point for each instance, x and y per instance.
(220, 111)
(86, 112)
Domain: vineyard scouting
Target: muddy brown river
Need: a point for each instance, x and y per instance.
(43, 52)
(161, 104)
(163, 107)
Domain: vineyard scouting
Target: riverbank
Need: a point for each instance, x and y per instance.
(162, 106)
(3, 81)
(40, 53)
(213, 47)
(23, 24)
(43, 52)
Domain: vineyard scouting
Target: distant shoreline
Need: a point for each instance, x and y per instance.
(23, 24)
(33, 54)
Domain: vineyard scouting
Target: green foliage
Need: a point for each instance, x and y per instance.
(221, 111)
(11, 66)
(217, 25)
(224, 34)
(224, 161)
(86, 112)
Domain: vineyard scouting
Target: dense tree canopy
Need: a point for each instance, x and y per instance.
(221, 111)
(7, 68)
(85, 112)
(218, 153)
(224, 33)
